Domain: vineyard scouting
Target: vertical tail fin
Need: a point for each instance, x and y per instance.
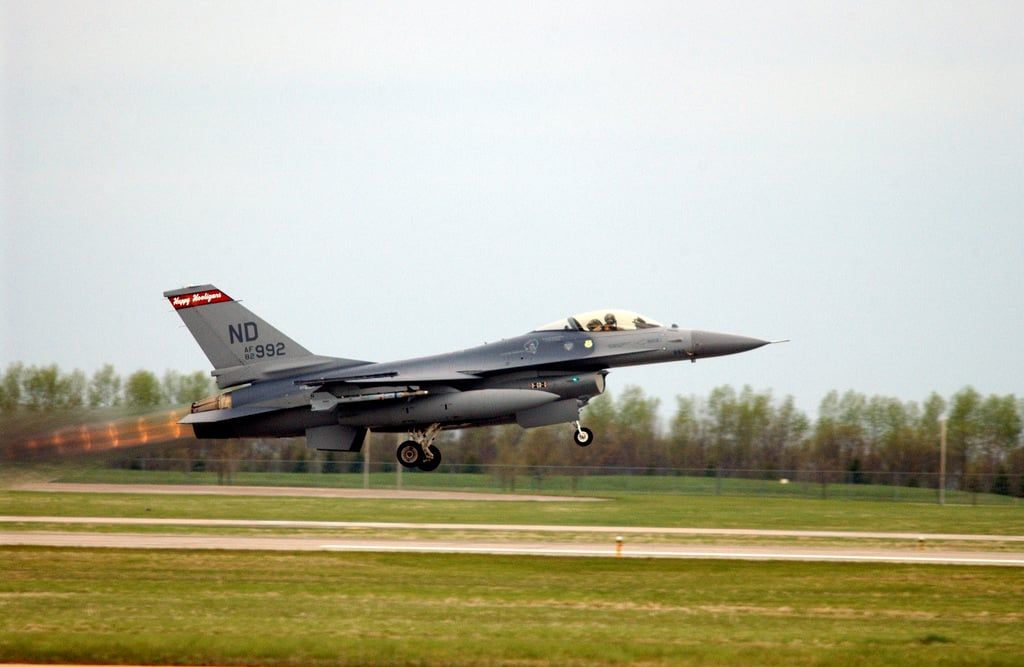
(228, 332)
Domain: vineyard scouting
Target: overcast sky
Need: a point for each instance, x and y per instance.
(385, 180)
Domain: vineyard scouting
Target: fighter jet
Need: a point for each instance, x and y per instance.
(274, 387)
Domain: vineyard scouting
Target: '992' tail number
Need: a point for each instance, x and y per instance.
(263, 351)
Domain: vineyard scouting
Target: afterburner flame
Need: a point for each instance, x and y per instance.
(154, 428)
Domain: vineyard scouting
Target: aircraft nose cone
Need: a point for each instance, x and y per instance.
(712, 344)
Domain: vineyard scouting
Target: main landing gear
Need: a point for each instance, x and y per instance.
(582, 436)
(419, 451)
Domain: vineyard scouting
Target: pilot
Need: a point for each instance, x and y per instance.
(610, 324)
(594, 325)
(641, 323)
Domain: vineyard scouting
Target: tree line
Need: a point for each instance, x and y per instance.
(853, 438)
(37, 388)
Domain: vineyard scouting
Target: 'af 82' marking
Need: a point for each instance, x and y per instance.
(263, 351)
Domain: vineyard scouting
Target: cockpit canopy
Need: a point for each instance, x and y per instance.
(610, 319)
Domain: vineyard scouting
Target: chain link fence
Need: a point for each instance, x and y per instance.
(582, 480)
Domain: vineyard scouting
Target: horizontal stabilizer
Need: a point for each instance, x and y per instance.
(223, 415)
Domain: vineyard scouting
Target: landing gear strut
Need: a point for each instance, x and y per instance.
(419, 451)
(582, 436)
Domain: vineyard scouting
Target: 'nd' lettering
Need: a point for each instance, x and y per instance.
(243, 332)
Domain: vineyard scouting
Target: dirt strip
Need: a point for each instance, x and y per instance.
(296, 491)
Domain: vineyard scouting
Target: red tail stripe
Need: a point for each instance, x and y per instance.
(198, 299)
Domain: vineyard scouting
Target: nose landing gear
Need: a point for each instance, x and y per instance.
(583, 436)
(419, 451)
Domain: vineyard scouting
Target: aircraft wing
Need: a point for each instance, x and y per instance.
(391, 378)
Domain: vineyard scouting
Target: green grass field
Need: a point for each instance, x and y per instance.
(252, 608)
(550, 482)
(617, 510)
(152, 607)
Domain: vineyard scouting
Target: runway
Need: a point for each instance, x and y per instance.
(514, 528)
(453, 538)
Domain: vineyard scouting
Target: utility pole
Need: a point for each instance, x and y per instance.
(366, 462)
(942, 460)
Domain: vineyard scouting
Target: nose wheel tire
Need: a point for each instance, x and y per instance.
(583, 437)
(410, 454)
(435, 459)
